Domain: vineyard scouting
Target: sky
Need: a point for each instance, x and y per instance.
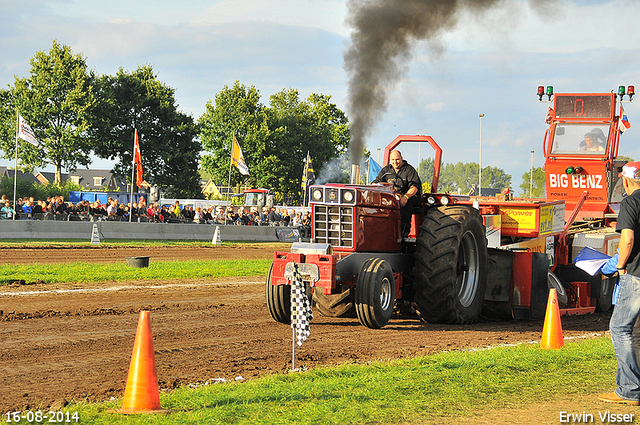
(488, 63)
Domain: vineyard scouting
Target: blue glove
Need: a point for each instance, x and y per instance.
(616, 292)
(610, 267)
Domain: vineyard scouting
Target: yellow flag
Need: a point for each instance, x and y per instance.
(237, 159)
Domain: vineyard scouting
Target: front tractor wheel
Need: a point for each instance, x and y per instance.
(375, 293)
(278, 300)
(451, 265)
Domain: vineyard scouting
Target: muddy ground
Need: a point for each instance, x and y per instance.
(75, 341)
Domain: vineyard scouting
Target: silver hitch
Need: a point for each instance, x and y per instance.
(308, 272)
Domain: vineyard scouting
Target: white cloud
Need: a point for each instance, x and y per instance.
(324, 14)
(553, 27)
(434, 107)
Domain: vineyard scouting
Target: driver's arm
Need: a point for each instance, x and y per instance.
(411, 192)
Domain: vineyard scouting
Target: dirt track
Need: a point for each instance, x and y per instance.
(75, 341)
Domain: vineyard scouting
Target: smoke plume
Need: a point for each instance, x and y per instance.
(381, 39)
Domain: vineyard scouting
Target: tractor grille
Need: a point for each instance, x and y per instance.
(333, 225)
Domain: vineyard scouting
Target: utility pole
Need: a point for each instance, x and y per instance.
(531, 177)
(480, 164)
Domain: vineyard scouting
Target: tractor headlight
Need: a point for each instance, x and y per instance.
(348, 196)
(316, 195)
(431, 200)
(445, 200)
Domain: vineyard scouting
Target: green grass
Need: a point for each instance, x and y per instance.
(438, 387)
(89, 272)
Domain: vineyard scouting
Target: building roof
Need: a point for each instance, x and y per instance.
(6, 172)
(46, 177)
(87, 179)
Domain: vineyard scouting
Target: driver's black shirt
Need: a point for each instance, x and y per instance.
(406, 177)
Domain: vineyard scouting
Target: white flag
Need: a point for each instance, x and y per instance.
(237, 159)
(25, 132)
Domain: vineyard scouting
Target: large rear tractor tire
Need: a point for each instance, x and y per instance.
(375, 293)
(605, 300)
(451, 262)
(554, 283)
(278, 300)
(335, 305)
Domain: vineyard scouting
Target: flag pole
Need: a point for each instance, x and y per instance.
(368, 167)
(293, 349)
(230, 164)
(133, 170)
(15, 171)
(306, 182)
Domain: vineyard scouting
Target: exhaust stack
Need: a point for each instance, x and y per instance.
(355, 174)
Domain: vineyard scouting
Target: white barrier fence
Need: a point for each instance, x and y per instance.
(43, 229)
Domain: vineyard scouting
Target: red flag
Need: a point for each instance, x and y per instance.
(137, 159)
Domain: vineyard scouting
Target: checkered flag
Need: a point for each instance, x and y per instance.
(300, 308)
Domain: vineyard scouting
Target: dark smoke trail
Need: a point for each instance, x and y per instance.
(381, 39)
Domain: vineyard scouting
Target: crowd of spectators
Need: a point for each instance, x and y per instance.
(56, 208)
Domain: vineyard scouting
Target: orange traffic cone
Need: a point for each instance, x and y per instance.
(141, 394)
(552, 329)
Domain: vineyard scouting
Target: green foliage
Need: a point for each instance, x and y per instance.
(36, 190)
(58, 101)
(274, 139)
(624, 158)
(167, 137)
(23, 188)
(237, 111)
(74, 112)
(463, 176)
(539, 184)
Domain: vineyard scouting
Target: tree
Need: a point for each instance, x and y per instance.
(462, 176)
(237, 112)
(316, 126)
(539, 183)
(167, 137)
(58, 102)
(274, 139)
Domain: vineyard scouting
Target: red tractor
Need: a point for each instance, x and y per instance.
(467, 255)
(358, 264)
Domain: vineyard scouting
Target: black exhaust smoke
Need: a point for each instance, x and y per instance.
(381, 39)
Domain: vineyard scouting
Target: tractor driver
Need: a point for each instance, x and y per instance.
(406, 181)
